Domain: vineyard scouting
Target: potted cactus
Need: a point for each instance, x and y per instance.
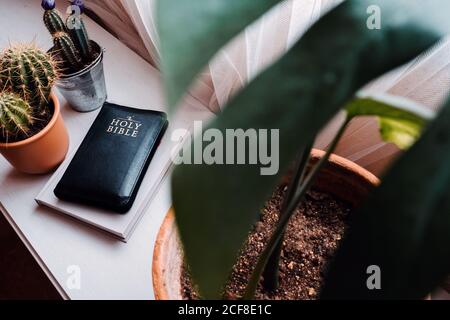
(82, 79)
(33, 137)
(394, 243)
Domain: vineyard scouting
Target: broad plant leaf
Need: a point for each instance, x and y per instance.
(402, 133)
(403, 228)
(401, 120)
(216, 205)
(192, 32)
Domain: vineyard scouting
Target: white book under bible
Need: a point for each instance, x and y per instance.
(120, 226)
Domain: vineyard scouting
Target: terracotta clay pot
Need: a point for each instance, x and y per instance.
(44, 151)
(341, 178)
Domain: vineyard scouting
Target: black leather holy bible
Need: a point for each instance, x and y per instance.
(111, 162)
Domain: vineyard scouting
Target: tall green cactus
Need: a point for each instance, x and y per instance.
(30, 73)
(67, 50)
(71, 38)
(16, 117)
(54, 22)
(78, 32)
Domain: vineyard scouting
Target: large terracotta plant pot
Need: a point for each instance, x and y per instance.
(42, 152)
(342, 178)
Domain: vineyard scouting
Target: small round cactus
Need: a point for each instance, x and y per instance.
(30, 73)
(67, 50)
(16, 117)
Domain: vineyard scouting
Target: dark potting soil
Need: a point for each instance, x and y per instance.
(312, 238)
(67, 69)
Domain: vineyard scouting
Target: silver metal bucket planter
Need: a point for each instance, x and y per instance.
(85, 90)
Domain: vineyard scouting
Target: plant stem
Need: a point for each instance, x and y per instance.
(271, 271)
(277, 236)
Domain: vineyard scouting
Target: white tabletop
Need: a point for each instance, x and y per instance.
(109, 269)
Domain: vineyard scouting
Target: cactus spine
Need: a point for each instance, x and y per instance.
(53, 22)
(66, 49)
(30, 73)
(16, 116)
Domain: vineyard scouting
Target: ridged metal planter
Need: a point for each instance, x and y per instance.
(85, 90)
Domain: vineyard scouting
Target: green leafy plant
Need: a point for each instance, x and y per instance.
(399, 229)
(71, 40)
(27, 75)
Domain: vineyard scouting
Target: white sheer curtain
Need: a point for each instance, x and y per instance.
(262, 43)
(235, 65)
